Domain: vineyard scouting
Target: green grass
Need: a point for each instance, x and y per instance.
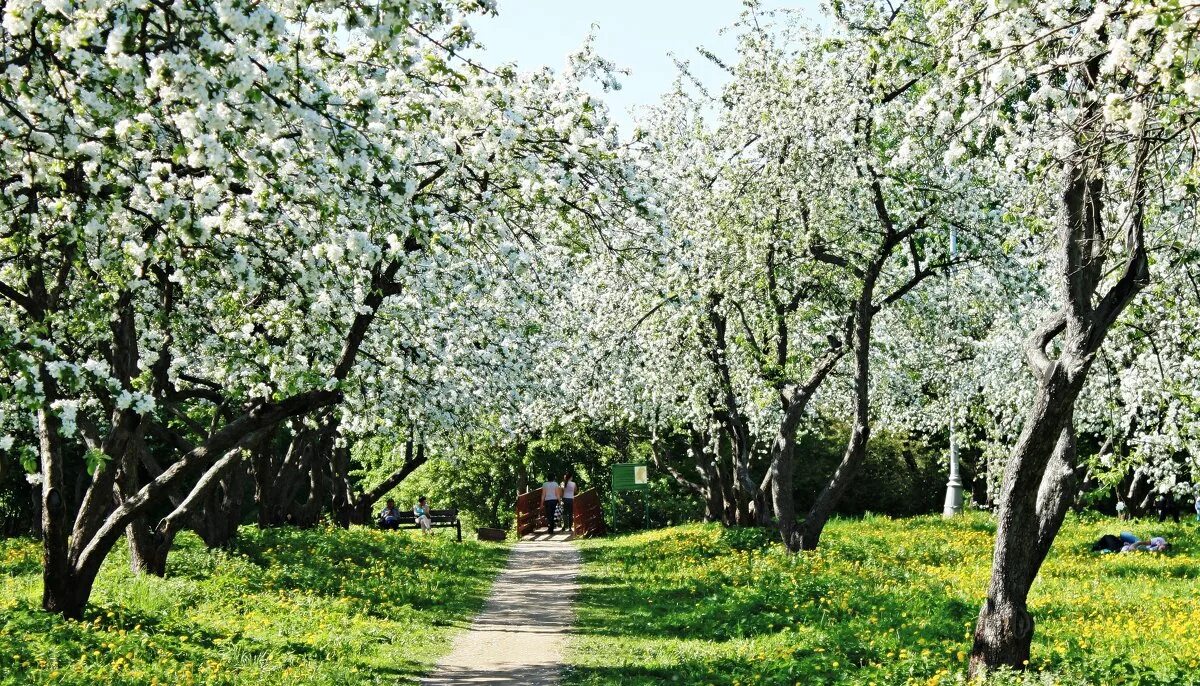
(284, 606)
(885, 602)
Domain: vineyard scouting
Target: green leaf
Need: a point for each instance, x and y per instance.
(94, 458)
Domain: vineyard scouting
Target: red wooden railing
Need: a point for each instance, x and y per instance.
(587, 519)
(530, 516)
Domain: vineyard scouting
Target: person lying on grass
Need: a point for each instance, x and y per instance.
(389, 517)
(1127, 543)
(1156, 544)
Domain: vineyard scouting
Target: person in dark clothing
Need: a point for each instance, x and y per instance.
(389, 517)
(1166, 506)
(1108, 543)
(568, 502)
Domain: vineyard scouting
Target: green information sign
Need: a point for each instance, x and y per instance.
(629, 476)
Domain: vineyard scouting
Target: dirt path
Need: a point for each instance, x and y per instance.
(520, 635)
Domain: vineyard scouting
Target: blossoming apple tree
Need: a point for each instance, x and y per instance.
(1094, 103)
(216, 204)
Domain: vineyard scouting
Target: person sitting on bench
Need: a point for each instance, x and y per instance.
(389, 517)
(421, 512)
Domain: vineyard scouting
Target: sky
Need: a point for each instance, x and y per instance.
(639, 35)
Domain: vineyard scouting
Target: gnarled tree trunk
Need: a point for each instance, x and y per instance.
(72, 562)
(1039, 478)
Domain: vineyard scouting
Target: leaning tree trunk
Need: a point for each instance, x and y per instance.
(808, 534)
(1039, 478)
(1031, 510)
(217, 520)
(215, 527)
(360, 510)
(74, 561)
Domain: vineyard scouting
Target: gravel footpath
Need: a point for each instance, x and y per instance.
(520, 635)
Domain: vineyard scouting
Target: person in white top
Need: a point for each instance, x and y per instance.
(568, 502)
(550, 495)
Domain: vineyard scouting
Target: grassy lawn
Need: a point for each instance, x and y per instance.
(885, 602)
(284, 606)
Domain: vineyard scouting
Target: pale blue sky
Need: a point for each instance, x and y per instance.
(638, 35)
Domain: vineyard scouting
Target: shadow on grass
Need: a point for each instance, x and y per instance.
(779, 670)
(385, 574)
(897, 598)
(274, 599)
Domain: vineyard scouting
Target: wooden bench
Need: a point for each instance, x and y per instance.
(439, 519)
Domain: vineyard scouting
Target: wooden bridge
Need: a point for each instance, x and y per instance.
(588, 516)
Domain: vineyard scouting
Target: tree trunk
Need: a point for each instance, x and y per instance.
(138, 535)
(795, 402)
(522, 479)
(142, 558)
(341, 497)
(278, 480)
(1039, 478)
(218, 518)
(192, 507)
(60, 593)
(705, 484)
(1004, 631)
(822, 509)
(710, 485)
(70, 571)
(808, 534)
(749, 503)
(293, 491)
(782, 487)
(35, 494)
(729, 515)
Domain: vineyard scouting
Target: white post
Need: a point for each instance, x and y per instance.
(954, 486)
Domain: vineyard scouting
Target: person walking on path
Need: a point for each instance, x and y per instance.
(550, 496)
(568, 502)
